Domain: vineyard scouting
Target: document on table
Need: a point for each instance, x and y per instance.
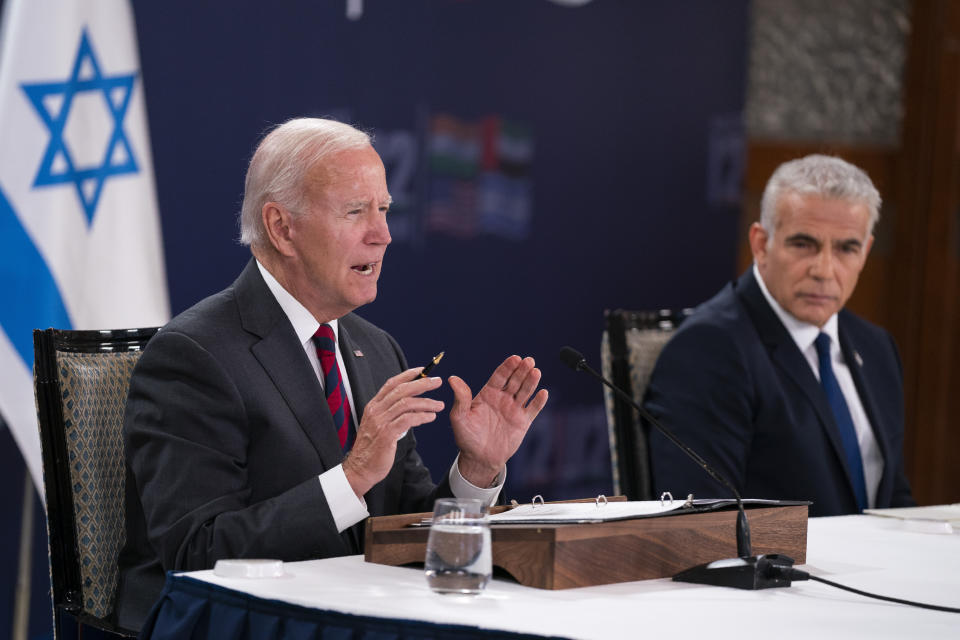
(578, 512)
(945, 515)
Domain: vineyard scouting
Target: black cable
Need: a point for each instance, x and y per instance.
(796, 574)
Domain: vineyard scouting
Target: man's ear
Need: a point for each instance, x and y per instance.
(277, 222)
(758, 242)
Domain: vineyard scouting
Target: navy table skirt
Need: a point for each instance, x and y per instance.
(190, 608)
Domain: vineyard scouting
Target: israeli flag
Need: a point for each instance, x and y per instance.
(80, 243)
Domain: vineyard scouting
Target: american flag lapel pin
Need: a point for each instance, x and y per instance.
(359, 353)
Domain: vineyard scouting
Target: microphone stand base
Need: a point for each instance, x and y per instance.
(753, 572)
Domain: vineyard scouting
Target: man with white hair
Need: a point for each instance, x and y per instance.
(268, 421)
(772, 381)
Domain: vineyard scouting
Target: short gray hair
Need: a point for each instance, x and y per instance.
(280, 163)
(825, 176)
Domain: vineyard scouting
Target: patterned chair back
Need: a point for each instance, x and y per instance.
(629, 350)
(82, 379)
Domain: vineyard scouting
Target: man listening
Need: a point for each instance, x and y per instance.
(772, 381)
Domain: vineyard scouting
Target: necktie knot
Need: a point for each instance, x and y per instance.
(823, 348)
(324, 338)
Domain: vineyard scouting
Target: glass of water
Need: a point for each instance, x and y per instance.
(459, 559)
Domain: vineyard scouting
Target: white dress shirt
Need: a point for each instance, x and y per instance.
(804, 335)
(347, 509)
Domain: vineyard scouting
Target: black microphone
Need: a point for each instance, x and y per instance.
(575, 360)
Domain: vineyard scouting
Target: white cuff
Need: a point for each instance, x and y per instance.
(462, 488)
(346, 507)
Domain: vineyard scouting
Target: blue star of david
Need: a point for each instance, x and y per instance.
(57, 166)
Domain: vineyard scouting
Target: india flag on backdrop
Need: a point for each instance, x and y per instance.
(80, 244)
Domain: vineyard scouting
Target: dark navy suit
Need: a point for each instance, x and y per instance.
(734, 386)
(226, 431)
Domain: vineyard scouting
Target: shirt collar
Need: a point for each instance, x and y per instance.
(304, 324)
(803, 333)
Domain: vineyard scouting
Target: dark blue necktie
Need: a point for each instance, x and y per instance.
(841, 413)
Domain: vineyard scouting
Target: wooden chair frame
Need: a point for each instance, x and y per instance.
(65, 554)
(628, 433)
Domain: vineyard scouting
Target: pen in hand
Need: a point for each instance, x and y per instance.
(423, 374)
(431, 365)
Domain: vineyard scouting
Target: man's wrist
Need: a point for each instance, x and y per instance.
(463, 488)
(356, 479)
(477, 473)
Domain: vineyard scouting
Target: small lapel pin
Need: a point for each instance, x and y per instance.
(856, 356)
(359, 353)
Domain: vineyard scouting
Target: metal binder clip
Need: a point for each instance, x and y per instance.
(689, 501)
(601, 501)
(666, 496)
(533, 503)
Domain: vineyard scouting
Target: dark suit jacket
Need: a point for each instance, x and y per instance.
(734, 386)
(226, 430)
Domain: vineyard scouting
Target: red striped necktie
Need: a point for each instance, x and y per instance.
(337, 400)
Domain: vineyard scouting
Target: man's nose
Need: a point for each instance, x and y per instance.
(379, 231)
(823, 264)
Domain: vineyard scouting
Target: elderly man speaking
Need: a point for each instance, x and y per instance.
(269, 420)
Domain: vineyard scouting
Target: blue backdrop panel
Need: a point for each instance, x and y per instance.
(549, 159)
(607, 135)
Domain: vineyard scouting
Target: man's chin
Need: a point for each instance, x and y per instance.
(816, 316)
(815, 310)
(365, 298)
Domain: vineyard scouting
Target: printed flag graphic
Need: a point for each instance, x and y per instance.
(80, 242)
(480, 178)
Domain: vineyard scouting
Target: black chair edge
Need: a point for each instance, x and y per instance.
(61, 525)
(630, 432)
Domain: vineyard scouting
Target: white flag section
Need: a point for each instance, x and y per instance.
(80, 242)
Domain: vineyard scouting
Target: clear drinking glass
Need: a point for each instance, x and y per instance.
(459, 557)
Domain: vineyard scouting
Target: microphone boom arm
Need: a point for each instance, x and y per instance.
(576, 361)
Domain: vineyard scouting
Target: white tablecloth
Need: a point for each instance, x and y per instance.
(866, 552)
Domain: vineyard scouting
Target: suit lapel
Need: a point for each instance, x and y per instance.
(362, 386)
(784, 352)
(857, 366)
(281, 355)
(357, 366)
